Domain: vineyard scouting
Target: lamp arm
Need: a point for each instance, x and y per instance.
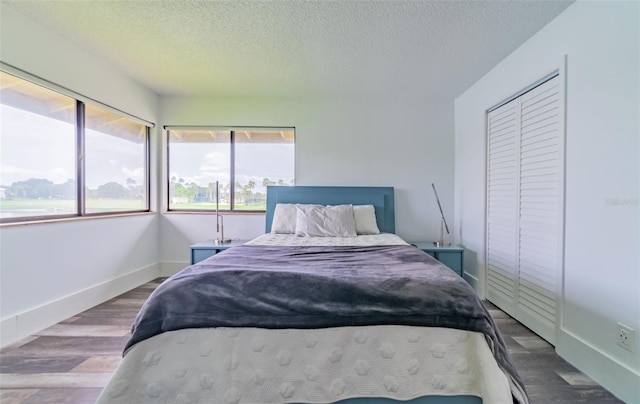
(217, 209)
(440, 207)
(219, 219)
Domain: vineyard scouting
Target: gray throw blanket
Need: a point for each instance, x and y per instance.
(316, 287)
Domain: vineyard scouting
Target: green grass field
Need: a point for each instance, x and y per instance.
(41, 207)
(212, 206)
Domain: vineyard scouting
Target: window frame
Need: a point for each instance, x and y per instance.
(80, 202)
(147, 174)
(232, 168)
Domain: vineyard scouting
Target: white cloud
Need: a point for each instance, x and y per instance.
(215, 161)
(10, 174)
(136, 173)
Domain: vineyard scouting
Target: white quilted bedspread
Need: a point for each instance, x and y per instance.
(250, 365)
(359, 241)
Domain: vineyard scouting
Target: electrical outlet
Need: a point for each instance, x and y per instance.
(626, 337)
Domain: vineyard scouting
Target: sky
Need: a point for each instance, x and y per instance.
(35, 146)
(205, 163)
(28, 151)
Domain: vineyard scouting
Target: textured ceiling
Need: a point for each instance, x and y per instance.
(387, 48)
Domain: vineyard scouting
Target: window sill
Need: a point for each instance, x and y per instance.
(76, 218)
(208, 212)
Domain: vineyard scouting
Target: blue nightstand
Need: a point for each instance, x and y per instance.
(207, 248)
(451, 256)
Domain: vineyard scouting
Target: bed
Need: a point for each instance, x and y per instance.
(315, 311)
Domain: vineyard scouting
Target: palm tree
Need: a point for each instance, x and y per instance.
(250, 186)
(226, 193)
(266, 182)
(210, 191)
(249, 190)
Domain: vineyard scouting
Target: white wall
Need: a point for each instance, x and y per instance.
(601, 41)
(51, 271)
(404, 143)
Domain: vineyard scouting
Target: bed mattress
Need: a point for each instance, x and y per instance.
(283, 360)
(252, 365)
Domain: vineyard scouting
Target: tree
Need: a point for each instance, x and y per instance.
(250, 186)
(181, 191)
(112, 190)
(248, 191)
(211, 191)
(266, 182)
(131, 185)
(225, 193)
(66, 190)
(33, 188)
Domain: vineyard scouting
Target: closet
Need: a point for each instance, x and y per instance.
(525, 205)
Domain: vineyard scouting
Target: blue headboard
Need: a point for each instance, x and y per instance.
(382, 199)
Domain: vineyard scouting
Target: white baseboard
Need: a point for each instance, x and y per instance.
(15, 328)
(169, 268)
(616, 377)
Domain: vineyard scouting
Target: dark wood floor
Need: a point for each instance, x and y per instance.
(72, 361)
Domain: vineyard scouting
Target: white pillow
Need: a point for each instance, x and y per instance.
(284, 218)
(365, 218)
(325, 221)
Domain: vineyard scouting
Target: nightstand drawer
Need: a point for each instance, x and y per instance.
(208, 248)
(198, 255)
(452, 259)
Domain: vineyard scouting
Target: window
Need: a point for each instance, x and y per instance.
(115, 149)
(241, 162)
(43, 133)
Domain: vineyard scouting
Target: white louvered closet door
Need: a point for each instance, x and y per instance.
(502, 206)
(525, 207)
